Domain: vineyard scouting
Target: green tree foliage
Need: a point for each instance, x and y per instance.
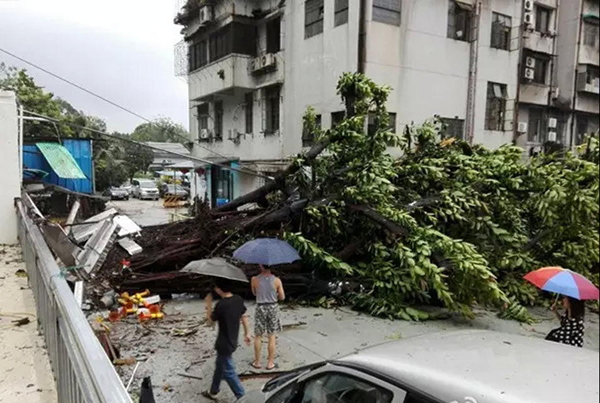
(161, 130)
(446, 223)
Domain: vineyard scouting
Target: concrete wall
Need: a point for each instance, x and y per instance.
(9, 163)
(568, 39)
(313, 67)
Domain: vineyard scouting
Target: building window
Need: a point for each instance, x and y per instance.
(198, 55)
(218, 120)
(496, 106)
(371, 127)
(341, 12)
(459, 20)
(274, 36)
(592, 76)
(501, 31)
(202, 119)
(542, 19)
(308, 136)
(535, 125)
(453, 127)
(220, 44)
(314, 12)
(272, 104)
(582, 129)
(249, 112)
(387, 11)
(590, 34)
(337, 118)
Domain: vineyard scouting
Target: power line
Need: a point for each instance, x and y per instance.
(74, 85)
(102, 98)
(188, 157)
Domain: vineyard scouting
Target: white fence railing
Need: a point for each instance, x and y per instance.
(82, 370)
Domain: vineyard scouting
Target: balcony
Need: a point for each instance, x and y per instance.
(235, 72)
(536, 94)
(221, 77)
(539, 42)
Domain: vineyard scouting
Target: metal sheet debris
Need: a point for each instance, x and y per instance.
(61, 161)
(97, 246)
(83, 232)
(60, 243)
(128, 226)
(130, 246)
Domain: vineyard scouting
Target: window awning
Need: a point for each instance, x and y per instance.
(61, 161)
(465, 4)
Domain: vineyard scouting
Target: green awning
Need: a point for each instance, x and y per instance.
(61, 161)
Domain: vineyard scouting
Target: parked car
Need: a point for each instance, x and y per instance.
(173, 190)
(128, 188)
(145, 189)
(465, 366)
(116, 193)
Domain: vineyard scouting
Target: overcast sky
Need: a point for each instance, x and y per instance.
(120, 49)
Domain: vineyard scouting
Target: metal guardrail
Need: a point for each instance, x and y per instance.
(82, 370)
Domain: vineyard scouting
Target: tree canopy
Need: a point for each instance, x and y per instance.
(445, 224)
(162, 130)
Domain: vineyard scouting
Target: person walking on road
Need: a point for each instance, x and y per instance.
(228, 313)
(268, 290)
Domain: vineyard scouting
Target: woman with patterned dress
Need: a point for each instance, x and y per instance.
(571, 328)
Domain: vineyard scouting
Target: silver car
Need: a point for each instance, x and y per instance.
(454, 367)
(145, 189)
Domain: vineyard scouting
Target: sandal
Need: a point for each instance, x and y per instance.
(271, 368)
(255, 365)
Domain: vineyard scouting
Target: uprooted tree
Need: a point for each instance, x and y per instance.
(445, 223)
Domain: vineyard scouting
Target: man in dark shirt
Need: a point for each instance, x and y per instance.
(228, 313)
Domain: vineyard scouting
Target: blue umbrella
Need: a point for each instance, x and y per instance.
(266, 251)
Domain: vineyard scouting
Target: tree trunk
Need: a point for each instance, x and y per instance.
(278, 183)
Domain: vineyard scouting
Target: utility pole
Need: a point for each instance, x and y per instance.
(472, 86)
(362, 38)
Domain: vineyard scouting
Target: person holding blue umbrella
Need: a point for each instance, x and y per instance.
(268, 289)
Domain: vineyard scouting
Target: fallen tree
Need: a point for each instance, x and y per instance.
(445, 223)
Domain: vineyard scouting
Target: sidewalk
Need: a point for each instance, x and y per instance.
(25, 374)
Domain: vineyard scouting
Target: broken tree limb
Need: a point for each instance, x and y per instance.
(376, 217)
(276, 184)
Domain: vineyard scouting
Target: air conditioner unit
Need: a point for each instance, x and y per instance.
(256, 64)
(530, 62)
(529, 19)
(552, 122)
(555, 92)
(552, 136)
(528, 5)
(204, 134)
(269, 60)
(529, 74)
(522, 127)
(206, 15)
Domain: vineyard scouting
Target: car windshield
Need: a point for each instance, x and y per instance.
(147, 185)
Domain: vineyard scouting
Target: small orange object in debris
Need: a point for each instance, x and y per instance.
(114, 316)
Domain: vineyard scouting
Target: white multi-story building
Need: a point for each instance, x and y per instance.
(488, 68)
